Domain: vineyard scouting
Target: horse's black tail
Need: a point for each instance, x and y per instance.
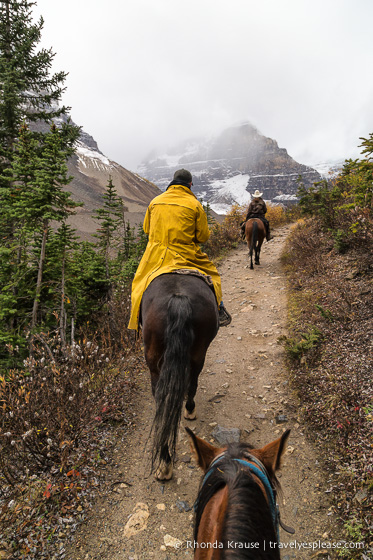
(254, 236)
(174, 376)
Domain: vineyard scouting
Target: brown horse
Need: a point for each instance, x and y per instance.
(255, 233)
(237, 515)
(179, 316)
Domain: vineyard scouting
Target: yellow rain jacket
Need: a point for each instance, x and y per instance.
(175, 222)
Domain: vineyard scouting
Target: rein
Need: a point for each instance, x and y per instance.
(256, 468)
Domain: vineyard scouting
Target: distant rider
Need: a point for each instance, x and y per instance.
(257, 209)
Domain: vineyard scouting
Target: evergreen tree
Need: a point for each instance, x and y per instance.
(39, 198)
(15, 270)
(356, 178)
(28, 92)
(59, 274)
(136, 247)
(110, 218)
(48, 201)
(87, 284)
(141, 242)
(128, 245)
(207, 208)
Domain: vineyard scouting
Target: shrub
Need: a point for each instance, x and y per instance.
(276, 215)
(49, 405)
(226, 235)
(304, 344)
(344, 205)
(304, 248)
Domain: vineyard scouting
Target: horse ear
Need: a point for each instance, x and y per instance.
(271, 454)
(203, 451)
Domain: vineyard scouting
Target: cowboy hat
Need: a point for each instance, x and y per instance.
(257, 194)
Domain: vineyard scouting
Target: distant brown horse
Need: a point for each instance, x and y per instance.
(255, 233)
(179, 316)
(237, 516)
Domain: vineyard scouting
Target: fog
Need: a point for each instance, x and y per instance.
(144, 75)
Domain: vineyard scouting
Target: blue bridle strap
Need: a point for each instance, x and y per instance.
(258, 469)
(263, 477)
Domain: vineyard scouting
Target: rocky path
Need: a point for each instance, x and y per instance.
(244, 386)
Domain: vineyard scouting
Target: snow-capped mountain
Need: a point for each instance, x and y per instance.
(91, 170)
(227, 168)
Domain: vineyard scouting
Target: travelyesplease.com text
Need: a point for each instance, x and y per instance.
(266, 545)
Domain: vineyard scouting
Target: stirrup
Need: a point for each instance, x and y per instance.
(224, 317)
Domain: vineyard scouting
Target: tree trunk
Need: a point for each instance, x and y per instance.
(62, 310)
(13, 320)
(40, 276)
(72, 332)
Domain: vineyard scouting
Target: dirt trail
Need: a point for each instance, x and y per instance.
(245, 367)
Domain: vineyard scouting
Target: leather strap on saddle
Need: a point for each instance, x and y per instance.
(286, 528)
(194, 272)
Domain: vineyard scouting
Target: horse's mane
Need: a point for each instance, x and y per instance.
(248, 517)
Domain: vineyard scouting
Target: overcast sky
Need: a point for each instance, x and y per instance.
(148, 73)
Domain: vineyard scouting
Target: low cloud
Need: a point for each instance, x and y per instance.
(149, 74)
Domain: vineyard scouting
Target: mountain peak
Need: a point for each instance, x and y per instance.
(226, 168)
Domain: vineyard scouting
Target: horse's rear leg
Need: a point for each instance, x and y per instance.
(250, 254)
(190, 406)
(257, 253)
(153, 350)
(154, 380)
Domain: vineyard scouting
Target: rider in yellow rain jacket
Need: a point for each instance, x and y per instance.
(176, 223)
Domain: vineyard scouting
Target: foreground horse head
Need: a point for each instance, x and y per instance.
(236, 510)
(179, 317)
(255, 233)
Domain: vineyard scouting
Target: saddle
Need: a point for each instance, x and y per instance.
(260, 216)
(194, 272)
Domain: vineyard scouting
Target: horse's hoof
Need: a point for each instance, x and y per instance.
(164, 471)
(190, 415)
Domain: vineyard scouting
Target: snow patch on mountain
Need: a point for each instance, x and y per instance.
(221, 209)
(329, 169)
(91, 158)
(225, 192)
(285, 198)
(234, 187)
